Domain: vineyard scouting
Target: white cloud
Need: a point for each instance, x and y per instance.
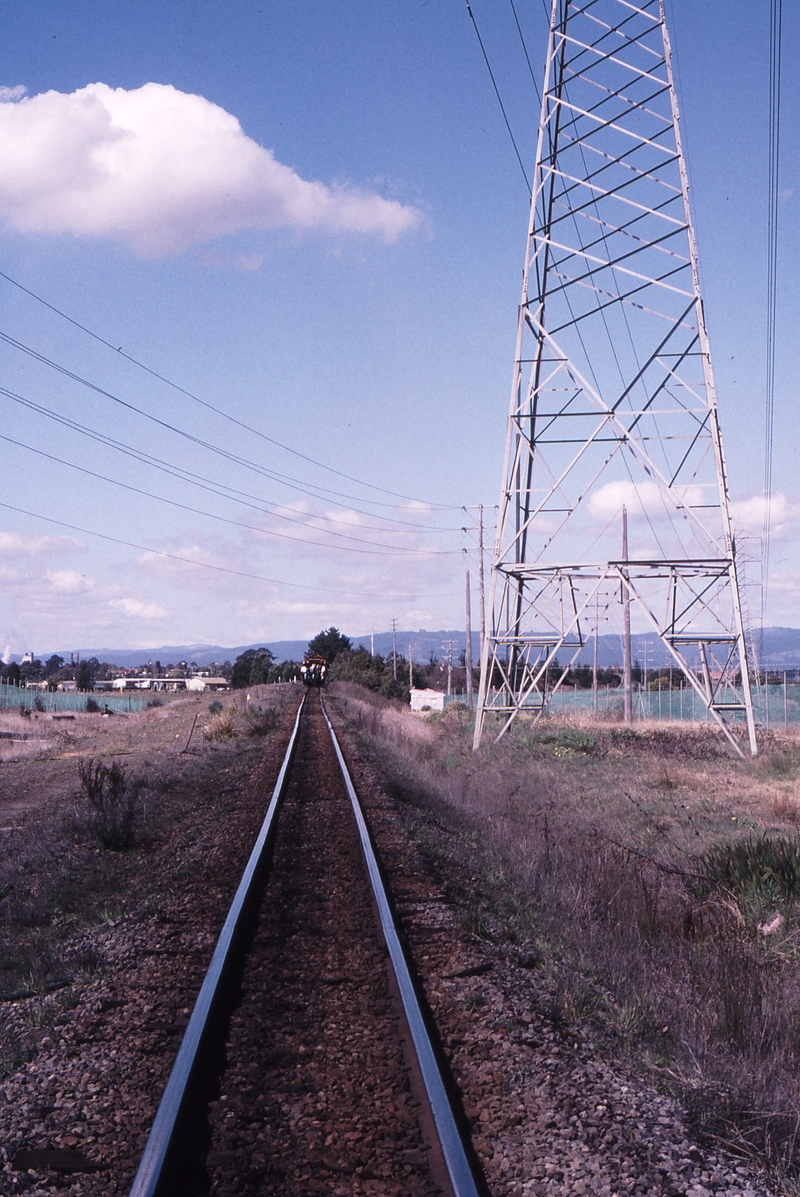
(748, 515)
(136, 609)
(12, 544)
(638, 498)
(160, 170)
(67, 581)
(13, 93)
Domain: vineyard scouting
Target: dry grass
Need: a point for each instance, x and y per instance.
(592, 842)
(222, 726)
(24, 737)
(54, 877)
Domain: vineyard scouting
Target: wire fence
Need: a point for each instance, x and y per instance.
(14, 697)
(775, 705)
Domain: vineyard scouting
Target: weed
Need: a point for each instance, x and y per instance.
(215, 707)
(260, 722)
(222, 726)
(475, 1001)
(782, 762)
(114, 802)
(767, 865)
(474, 920)
(786, 807)
(41, 1013)
(87, 960)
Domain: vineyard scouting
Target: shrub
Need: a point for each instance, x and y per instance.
(215, 707)
(38, 704)
(113, 801)
(259, 722)
(91, 707)
(222, 726)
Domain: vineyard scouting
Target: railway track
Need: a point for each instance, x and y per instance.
(307, 1065)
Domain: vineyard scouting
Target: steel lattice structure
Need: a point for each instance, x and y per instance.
(613, 400)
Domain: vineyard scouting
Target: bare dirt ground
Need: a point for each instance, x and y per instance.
(37, 764)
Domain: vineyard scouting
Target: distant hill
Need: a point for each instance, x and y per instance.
(781, 649)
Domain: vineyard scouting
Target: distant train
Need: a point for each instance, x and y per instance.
(313, 670)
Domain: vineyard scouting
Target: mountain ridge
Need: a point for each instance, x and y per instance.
(778, 648)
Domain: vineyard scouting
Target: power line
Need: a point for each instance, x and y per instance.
(223, 569)
(393, 551)
(775, 22)
(525, 52)
(499, 97)
(222, 489)
(310, 489)
(210, 406)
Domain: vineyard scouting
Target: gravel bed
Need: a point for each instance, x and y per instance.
(316, 1095)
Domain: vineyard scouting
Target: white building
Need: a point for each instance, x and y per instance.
(207, 683)
(432, 700)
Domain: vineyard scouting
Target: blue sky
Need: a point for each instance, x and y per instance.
(351, 294)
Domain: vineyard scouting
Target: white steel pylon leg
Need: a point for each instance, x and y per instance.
(613, 399)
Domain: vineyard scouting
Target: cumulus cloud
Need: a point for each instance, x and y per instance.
(67, 581)
(641, 498)
(161, 170)
(14, 545)
(748, 515)
(136, 609)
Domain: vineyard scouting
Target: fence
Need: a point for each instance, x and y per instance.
(12, 697)
(775, 705)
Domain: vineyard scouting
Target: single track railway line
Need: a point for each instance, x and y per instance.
(307, 1065)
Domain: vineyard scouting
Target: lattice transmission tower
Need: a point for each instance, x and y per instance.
(613, 404)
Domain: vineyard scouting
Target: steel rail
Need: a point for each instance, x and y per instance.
(455, 1156)
(152, 1165)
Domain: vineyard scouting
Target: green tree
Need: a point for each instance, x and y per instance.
(261, 667)
(330, 645)
(84, 678)
(52, 665)
(251, 668)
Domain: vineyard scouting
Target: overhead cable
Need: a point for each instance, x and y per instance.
(221, 489)
(222, 569)
(499, 97)
(775, 22)
(380, 551)
(317, 492)
(210, 406)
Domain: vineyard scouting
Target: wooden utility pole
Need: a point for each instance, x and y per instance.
(468, 649)
(626, 625)
(394, 649)
(450, 668)
(411, 666)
